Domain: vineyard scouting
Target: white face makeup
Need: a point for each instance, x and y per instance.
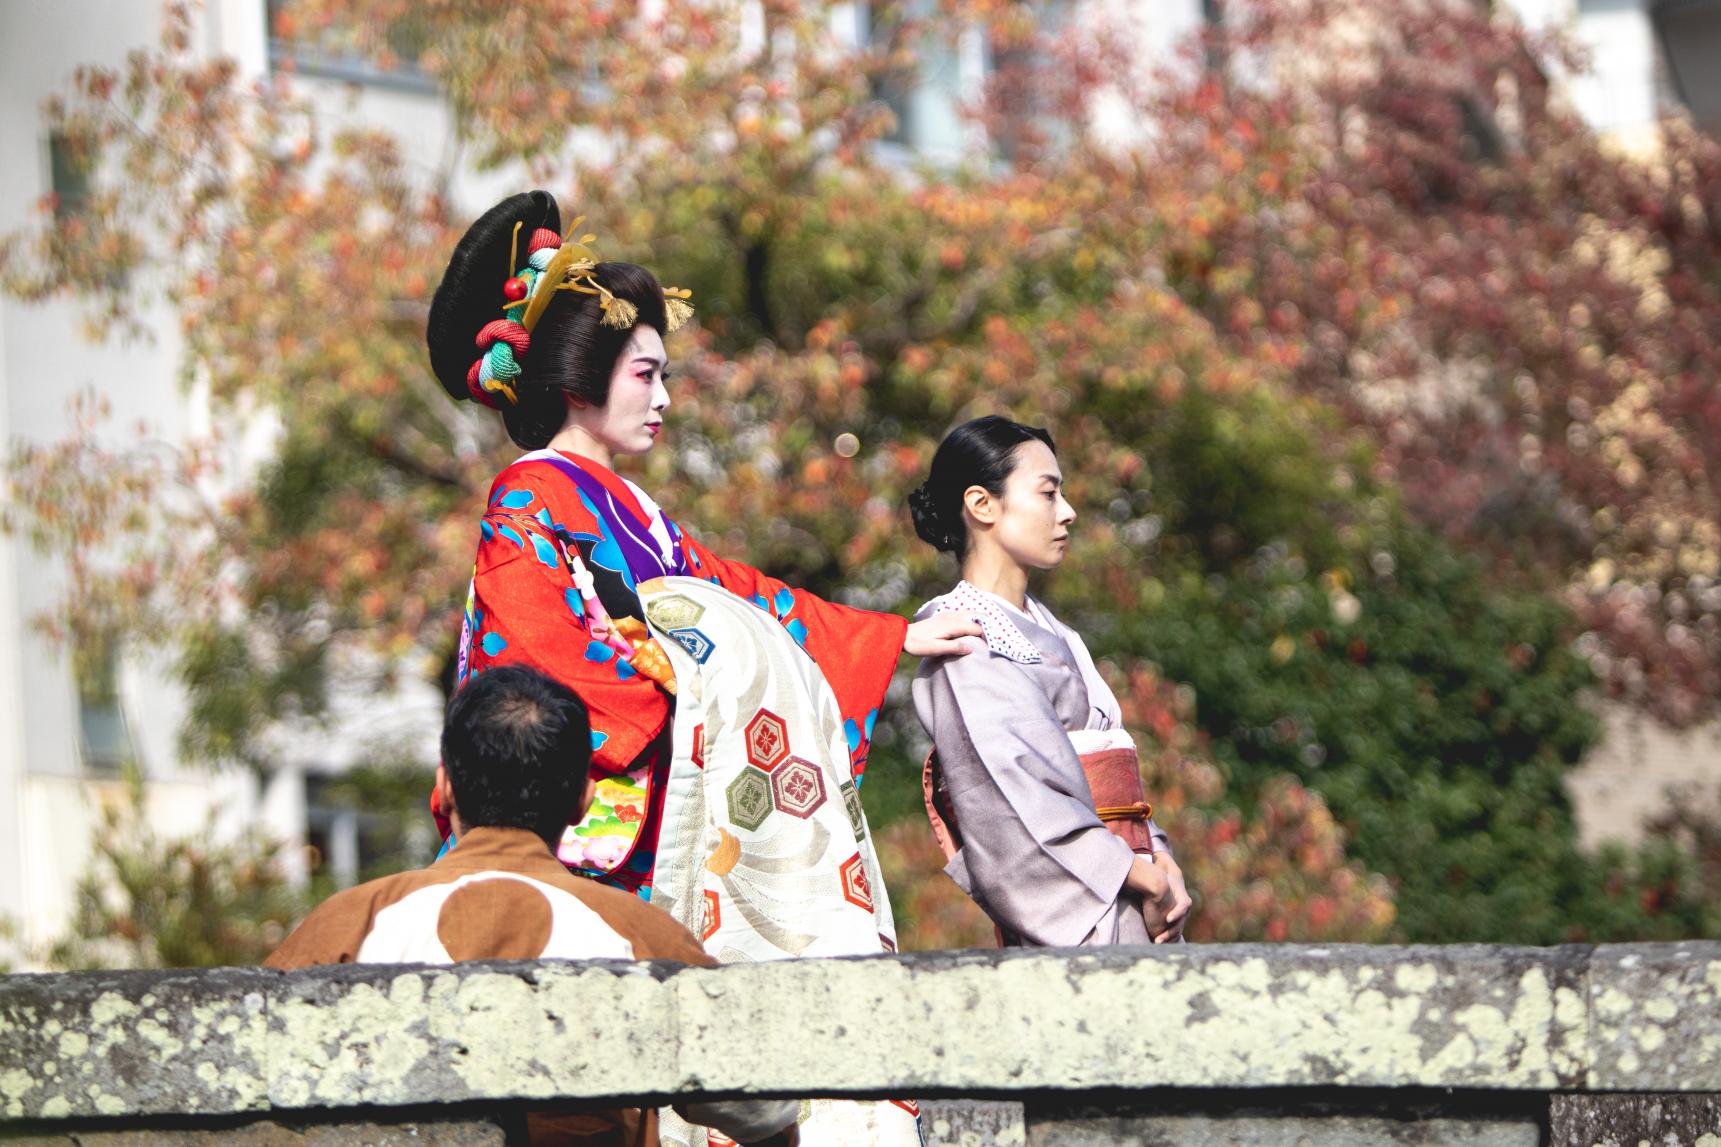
(630, 421)
(1033, 520)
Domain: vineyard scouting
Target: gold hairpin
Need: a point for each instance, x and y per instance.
(574, 268)
(676, 308)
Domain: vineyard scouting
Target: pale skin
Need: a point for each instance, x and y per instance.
(630, 421)
(1026, 528)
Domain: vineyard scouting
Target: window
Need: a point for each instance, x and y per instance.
(927, 97)
(366, 821)
(1689, 34)
(1029, 88)
(337, 52)
(1213, 20)
(68, 176)
(104, 736)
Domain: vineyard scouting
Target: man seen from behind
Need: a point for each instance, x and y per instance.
(516, 746)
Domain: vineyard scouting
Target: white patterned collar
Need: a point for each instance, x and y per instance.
(1003, 636)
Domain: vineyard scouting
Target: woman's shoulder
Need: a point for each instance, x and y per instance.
(936, 605)
(1004, 638)
(533, 482)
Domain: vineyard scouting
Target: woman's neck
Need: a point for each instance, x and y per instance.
(576, 439)
(990, 569)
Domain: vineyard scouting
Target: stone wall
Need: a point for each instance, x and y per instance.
(1204, 1045)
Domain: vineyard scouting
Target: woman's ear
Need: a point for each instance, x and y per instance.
(980, 504)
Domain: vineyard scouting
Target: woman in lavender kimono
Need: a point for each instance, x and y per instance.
(1023, 725)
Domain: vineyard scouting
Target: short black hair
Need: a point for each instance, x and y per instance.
(978, 453)
(517, 745)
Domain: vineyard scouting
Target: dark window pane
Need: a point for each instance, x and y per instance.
(69, 176)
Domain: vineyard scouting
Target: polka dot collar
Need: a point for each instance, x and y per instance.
(1003, 636)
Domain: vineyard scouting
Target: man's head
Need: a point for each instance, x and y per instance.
(516, 750)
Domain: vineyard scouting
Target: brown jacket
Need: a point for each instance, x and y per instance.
(502, 895)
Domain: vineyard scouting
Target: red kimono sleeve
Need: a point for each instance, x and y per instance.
(525, 610)
(856, 649)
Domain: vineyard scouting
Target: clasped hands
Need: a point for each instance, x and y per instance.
(1165, 901)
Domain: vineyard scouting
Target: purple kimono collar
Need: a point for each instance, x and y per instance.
(1003, 636)
(649, 549)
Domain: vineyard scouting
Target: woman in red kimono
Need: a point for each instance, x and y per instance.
(569, 349)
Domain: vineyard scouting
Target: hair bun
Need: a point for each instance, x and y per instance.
(928, 522)
(470, 293)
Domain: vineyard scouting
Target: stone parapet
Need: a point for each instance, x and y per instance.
(1045, 1024)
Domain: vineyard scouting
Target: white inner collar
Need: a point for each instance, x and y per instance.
(992, 613)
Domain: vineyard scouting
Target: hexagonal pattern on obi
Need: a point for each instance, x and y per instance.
(711, 915)
(674, 612)
(852, 803)
(857, 890)
(698, 645)
(797, 787)
(767, 740)
(749, 799)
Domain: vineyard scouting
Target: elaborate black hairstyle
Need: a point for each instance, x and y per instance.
(978, 453)
(571, 353)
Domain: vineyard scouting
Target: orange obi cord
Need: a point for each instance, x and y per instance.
(1138, 811)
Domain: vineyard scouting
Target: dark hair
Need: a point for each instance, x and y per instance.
(978, 453)
(517, 745)
(572, 352)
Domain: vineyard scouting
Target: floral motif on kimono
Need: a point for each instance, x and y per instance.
(525, 606)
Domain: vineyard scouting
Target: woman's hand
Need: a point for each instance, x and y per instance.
(1178, 915)
(1152, 883)
(937, 635)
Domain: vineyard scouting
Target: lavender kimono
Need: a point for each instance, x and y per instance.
(1009, 722)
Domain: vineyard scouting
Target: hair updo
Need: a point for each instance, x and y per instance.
(572, 352)
(978, 453)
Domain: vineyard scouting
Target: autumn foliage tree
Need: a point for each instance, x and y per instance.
(1303, 334)
(1523, 317)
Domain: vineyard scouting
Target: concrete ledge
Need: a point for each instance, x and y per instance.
(1629, 1120)
(1629, 1018)
(1330, 1117)
(267, 1133)
(128, 1043)
(1655, 1017)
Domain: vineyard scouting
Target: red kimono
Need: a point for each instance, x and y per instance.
(526, 607)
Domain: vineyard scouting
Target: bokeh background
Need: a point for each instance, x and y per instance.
(1379, 338)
